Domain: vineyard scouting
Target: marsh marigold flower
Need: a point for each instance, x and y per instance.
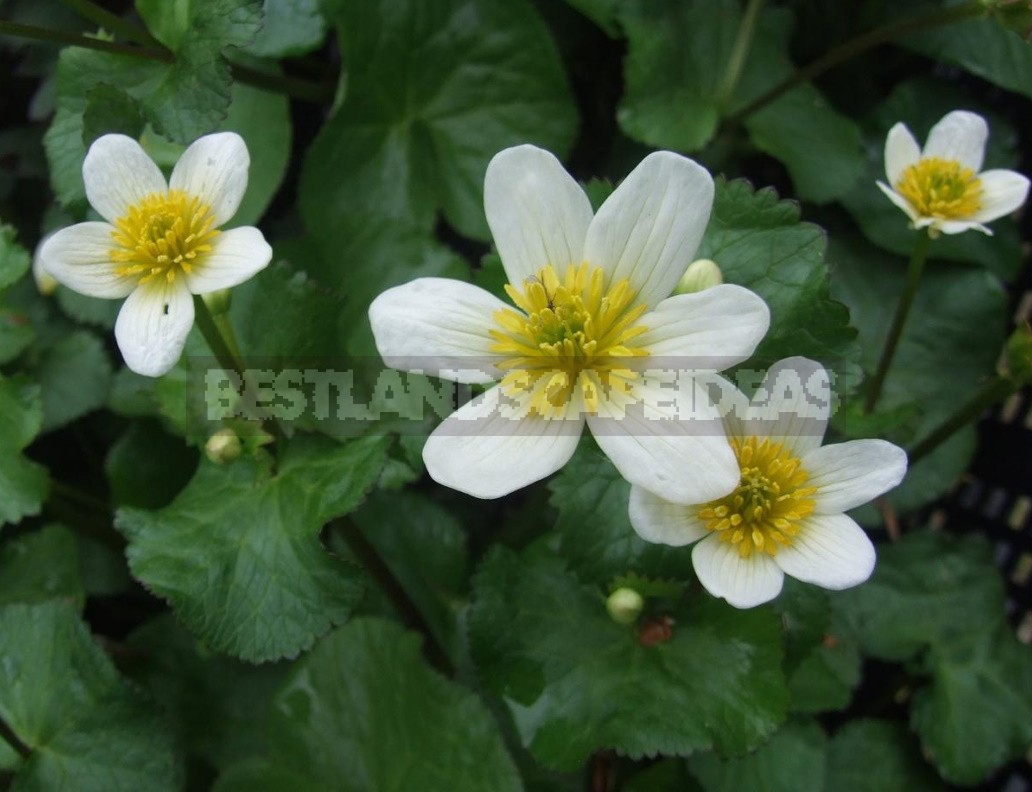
(943, 187)
(160, 242)
(786, 516)
(591, 313)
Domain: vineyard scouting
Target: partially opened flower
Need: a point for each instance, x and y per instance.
(787, 514)
(942, 186)
(161, 241)
(592, 313)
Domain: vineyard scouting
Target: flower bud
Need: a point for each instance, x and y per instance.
(223, 447)
(1018, 354)
(700, 275)
(624, 605)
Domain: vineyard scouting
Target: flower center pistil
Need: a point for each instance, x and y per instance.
(163, 234)
(941, 188)
(769, 503)
(570, 335)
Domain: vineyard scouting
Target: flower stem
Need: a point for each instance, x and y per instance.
(7, 735)
(112, 22)
(914, 270)
(385, 578)
(75, 40)
(995, 390)
(303, 90)
(224, 354)
(739, 52)
(859, 45)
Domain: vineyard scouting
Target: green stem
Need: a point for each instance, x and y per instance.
(995, 390)
(739, 52)
(112, 22)
(370, 558)
(76, 495)
(303, 90)
(914, 270)
(75, 40)
(860, 44)
(216, 341)
(7, 735)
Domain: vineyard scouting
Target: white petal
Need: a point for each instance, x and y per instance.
(153, 325)
(792, 405)
(214, 169)
(648, 230)
(712, 329)
(899, 200)
(743, 582)
(850, 474)
(959, 136)
(671, 441)
(662, 522)
(1003, 192)
(437, 326)
(901, 151)
(236, 255)
(537, 212)
(80, 257)
(955, 226)
(830, 551)
(118, 173)
(487, 451)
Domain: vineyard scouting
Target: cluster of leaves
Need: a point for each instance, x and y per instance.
(169, 622)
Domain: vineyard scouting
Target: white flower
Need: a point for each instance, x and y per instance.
(786, 515)
(592, 312)
(941, 187)
(161, 242)
(45, 283)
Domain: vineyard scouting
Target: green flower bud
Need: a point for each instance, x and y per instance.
(223, 447)
(700, 275)
(1018, 354)
(624, 605)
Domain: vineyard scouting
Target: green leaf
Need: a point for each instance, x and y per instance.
(147, 467)
(23, 483)
(576, 682)
(75, 377)
(14, 259)
(16, 334)
(425, 547)
(595, 532)
(977, 713)
(192, 96)
(920, 103)
(60, 694)
(793, 761)
(218, 704)
(950, 581)
(40, 566)
(759, 242)
(289, 28)
(953, 336)
(982, 47)
(363, 711)
(238, 555)
(110, 109)
(677, 55)
(877, 756)
(421, 119)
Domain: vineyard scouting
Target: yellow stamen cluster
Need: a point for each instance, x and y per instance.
(769, 503)
(570, 335)
(161, 235)
(941, 188)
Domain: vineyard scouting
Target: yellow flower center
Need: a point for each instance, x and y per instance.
(769, 503)
(941, 188)
(569, 335)
(161, 235)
